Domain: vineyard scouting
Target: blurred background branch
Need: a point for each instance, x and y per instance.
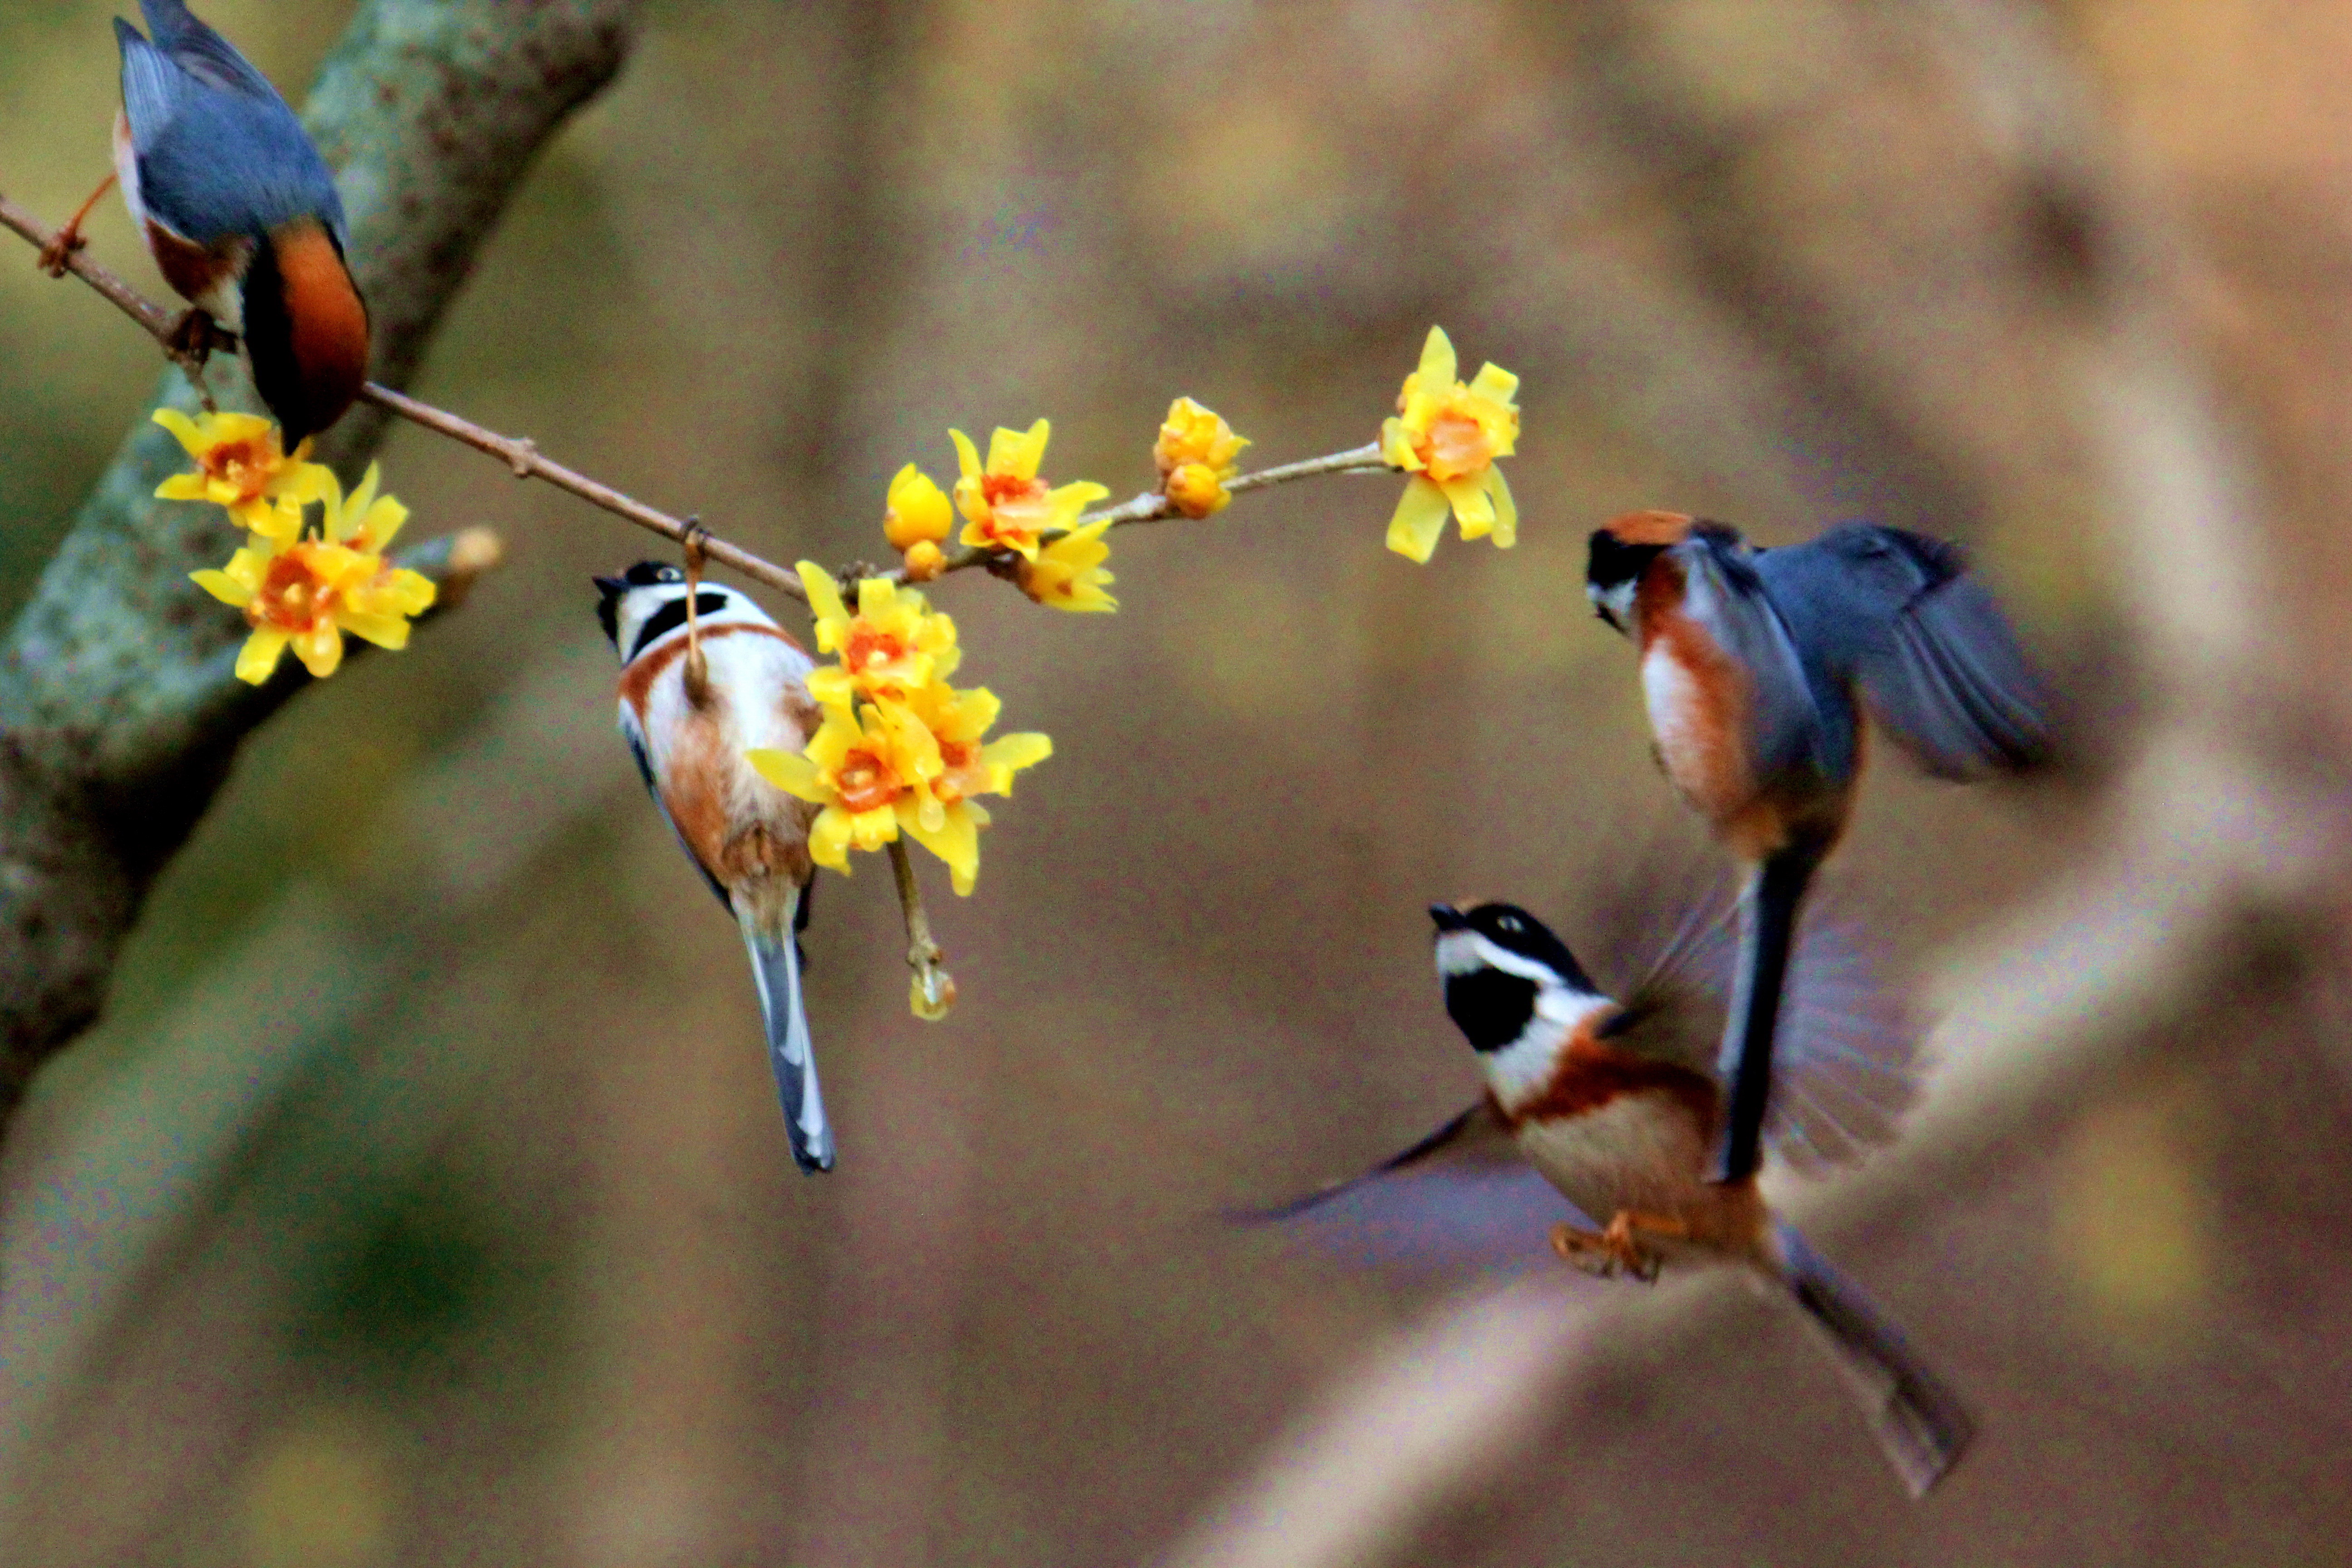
(119, 710)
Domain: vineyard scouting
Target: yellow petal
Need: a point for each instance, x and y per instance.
(823, 593)
(1492, 381)
(222, 586)
(829, 840)
(1019, 453)
(280, 521)
(790, 771)
(833, 686)
(382, 521)
(869, 830)
(413, 593)
(260, 653)
(182, 428)
(1507, 510)
(955, 840)
(967, 454)
(321, 649)
(1013, 752)
(1420, 518)
(1438, 362)
(384, 631)
(183, 487)
(1467, 495)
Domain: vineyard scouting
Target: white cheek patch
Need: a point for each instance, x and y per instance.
(1523, 1068)
(1466, 952)
(1618, 601)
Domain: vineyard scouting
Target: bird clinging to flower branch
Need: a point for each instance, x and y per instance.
(688, 731)
(241, 215)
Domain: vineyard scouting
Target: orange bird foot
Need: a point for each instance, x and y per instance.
(1605, 1252)
(195, 335)
(69, 239)
(55, 255)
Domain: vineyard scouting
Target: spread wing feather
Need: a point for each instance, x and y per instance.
(1475, 1136)
(1458, 1199)
(201, 52)
(1935, 660)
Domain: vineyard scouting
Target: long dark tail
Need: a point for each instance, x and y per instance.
(1920, 1423)
(775, 963)
(1766, 928)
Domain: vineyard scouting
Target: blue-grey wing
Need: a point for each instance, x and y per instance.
(1932, 655)
(201, 51)
(153, 89)
(1460, 1198)
(218, 163)
(1789, 723)
(631, 732)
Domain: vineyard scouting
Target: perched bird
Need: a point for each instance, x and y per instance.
(1618, 1105)
(688, 724)
(1755, 668)
(241, 216)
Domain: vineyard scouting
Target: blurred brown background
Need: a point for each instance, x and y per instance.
(423, 1197)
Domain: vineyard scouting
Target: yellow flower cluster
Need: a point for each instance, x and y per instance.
(298, 589)
(898, 750)
(1197, 452)
(1009, 510)
(1447, 437)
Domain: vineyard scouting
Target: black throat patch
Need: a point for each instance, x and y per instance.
(1490, 1006)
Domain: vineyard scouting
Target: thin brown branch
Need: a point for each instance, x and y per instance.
(523, 460)
(934, 987)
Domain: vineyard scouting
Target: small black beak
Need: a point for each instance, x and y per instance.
(1448, 918)
(610, 587)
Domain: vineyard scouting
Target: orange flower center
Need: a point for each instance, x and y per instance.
(870, 649)
(245, 467)
(1458, 444)
(1016, 506)
(865, 781)
(293, 599)
(963, 774)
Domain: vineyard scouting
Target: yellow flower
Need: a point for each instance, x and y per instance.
(367, 521)
(1067, 573)
(857, 769)
(1005, 505)
(306, 592)
(894, 642)
(952, 764)
(1197, 452)
(240, 466)
(1447, 437)
(916, 510)
(910, 766)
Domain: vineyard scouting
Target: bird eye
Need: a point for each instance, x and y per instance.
(1511, 924)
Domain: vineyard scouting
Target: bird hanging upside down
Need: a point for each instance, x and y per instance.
(705, 676)
(1619, 1106)
(1755, 668)
(237, 208)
